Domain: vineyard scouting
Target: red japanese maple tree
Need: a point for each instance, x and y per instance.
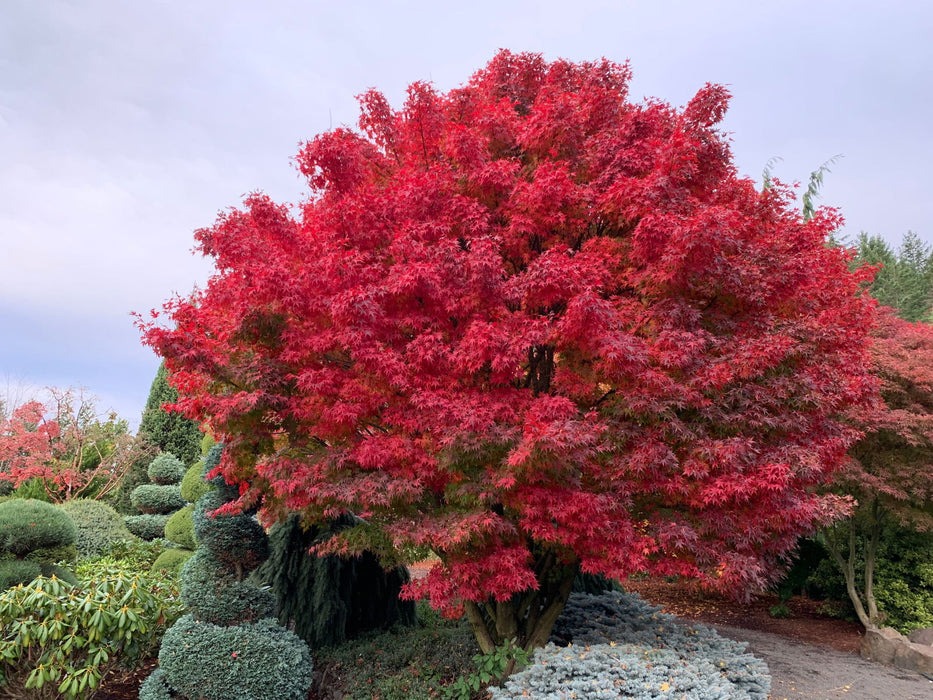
(891, 470)
(65, 447)
(536, 328)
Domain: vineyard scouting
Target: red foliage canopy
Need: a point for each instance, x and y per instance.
(892, 465)
(528, 318)
(65, 447)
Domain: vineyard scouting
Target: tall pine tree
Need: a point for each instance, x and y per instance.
(905, 279)
(163, 432)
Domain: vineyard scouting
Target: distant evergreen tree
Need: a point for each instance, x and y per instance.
(905, 280)
(170, 432)
(164, 432)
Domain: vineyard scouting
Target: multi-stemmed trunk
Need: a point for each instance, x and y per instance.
(526, 619)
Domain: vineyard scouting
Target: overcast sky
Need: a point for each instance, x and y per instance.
(124, 126)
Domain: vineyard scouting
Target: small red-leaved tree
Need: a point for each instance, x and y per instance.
(891, 470)
(65, 447)
(538, 329)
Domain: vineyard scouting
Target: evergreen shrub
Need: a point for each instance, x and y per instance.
(218, 596)
(61, 640)
(904, 580)
(328, 600)
(98, 526)
(137, 554)
(193, 485)
(179, 528)
(166, 469)
(148, 526)
(234, 540)
(171, 560)
(16, 571)
(244, 658)
(27, 525)
(619, 646)
(157, 498)
(34, 538)
(258, 661)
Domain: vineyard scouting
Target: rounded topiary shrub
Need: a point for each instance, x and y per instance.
(171, 560)
(98, 526)
(16, 571)
(179, 528)
(255, 661)
(236, 540)
(146, 527)
(27, 525)
(193, 485)
(34, 538)
(157, 498)
(166, 469)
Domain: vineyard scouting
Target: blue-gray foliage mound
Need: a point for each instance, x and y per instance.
(622, 647)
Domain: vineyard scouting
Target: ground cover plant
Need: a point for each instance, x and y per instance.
(622, 647)
(537, 328)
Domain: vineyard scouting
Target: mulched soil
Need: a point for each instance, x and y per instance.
(806, 624)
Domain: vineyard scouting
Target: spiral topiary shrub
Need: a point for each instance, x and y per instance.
(160, 498)
(228, 647)
(152, 499)
(98, 526)
(179, 528)
(219, 596)
(619, 646)
(34, 534)
(166, 469)
(233, 540)
(146, 527)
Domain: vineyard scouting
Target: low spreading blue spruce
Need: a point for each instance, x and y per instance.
(615, 645)
(229, 646)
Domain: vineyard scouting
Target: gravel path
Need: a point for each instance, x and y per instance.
(806, 672)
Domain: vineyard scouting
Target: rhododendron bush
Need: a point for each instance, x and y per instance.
(536, 328)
